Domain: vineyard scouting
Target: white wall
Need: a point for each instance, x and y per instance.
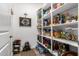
(5, 16)
(25, 33)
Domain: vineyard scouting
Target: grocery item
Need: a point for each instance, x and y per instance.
(69, 53)
(55, 20)
(62, 19)
(55, 46)
(57, 34)
(46, 22)
(63, 35)
(71, 36)
(57, 5)
(58, 19)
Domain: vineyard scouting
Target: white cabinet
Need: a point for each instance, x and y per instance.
(5, 26)
(4, 39)
(5, 47)
(5, 51)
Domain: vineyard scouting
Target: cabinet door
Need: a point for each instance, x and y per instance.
(5, 51)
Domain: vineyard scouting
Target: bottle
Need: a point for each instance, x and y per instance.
(62, 18)
(58, 18)
(45, 22)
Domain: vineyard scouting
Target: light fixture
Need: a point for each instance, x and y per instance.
(25, 14)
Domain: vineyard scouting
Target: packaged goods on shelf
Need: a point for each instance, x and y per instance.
(57, 5)
(47, 42)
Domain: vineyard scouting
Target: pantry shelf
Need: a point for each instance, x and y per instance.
(39, 27)
(47, 36)
(59, 19)
(46, 26)
(63, 8)
(47, 10)
(66, 24)
(72, 43)
(40, 35)
(45, 47)
(55, 53)
(47, 5)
